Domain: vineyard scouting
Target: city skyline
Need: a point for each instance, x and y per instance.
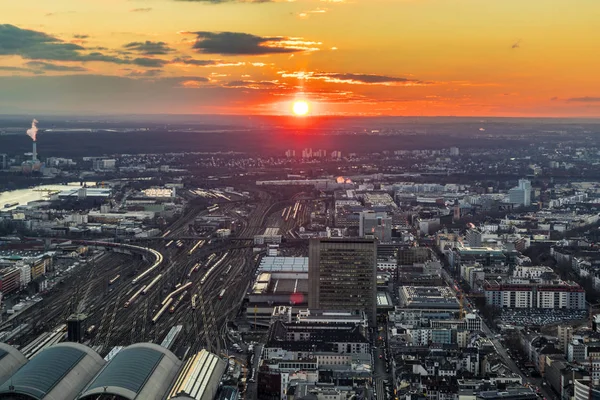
(376, 57)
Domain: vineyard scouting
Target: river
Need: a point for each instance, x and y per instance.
(41, 192)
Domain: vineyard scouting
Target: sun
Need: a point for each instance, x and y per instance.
(300, 108)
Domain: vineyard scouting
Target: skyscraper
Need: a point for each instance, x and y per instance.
(342, 275)
(521, 194)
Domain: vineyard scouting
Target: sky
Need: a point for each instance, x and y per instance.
(521, 58)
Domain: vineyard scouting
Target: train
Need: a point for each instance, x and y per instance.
(162, 311)
(211, 269)
(113, 280)
(135, 296)
(222, 294)
(195, 268)
(176, 292)
(157, 261)
(177, 302)
(194, 301)
(199, 243)
(152, 284)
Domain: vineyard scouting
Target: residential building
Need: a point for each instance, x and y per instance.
(473, 237)
(553, 295)
(10, 280)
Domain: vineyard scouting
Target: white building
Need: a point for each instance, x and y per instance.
(531, 272)
(25, 274)
(521, 194)
(555, 295)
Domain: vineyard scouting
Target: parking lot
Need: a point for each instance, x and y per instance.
(529, 317)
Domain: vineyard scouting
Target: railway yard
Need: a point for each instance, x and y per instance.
(180, 288)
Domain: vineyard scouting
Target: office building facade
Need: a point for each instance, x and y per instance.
(342, 275)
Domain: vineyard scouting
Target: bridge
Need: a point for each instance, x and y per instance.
(175, 238)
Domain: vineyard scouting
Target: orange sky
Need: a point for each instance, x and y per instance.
(348, 57)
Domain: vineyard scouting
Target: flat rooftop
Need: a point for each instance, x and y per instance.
(283, 264)
(428, 297)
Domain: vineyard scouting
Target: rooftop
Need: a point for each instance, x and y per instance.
(53, 366)
(284, 264)
(129, 374)
(428, 297)
(11, 360)
(199, 378)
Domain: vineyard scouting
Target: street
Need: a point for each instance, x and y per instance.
(501, 350)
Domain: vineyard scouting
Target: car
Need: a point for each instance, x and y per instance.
(380, 356)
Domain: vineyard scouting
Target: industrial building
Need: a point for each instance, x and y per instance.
(84, 193)
(59, 372)
(199, 378)
(342, 275)
(281, 281)
(270, 236)
(11, 360)
(140, 371)
(69, 371)
(428, 298)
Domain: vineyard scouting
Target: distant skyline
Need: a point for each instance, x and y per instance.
(533, 58)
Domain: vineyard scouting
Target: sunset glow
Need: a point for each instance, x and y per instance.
(360, 57)
(300, 108)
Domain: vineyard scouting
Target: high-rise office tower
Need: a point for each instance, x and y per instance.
(342, 275)
(521, 194)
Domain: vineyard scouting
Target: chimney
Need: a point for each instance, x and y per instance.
(34, 155)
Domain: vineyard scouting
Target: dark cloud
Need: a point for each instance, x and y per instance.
(198, 63)
(143, 9)
(586, 99)
(351, 78)
(35, 45)
(44, 66)
(365, 78)
(237, 43)
(14, 69)
(81, 36)
(149, 48)
(145, 74)
(148, 62)
(251, 84)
